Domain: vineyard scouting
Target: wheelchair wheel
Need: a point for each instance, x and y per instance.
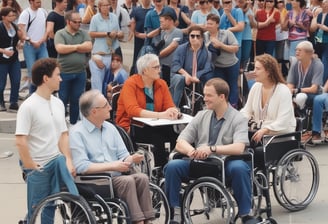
(296, 180)
(63, 207)
(120, 211)
(160, 205)
(206, 201)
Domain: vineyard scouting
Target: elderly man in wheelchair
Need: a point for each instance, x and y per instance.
(98, 148)
(219, 130)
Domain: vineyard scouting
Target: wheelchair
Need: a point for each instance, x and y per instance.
(292, 172)
(97, 202)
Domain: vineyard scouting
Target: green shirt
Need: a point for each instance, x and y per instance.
(74, 62)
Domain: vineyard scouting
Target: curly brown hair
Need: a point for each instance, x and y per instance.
(270, 64)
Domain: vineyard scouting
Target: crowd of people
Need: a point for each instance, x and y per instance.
(205, 43)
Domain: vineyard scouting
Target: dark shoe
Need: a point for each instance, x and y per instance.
(13, 107)
(249, 220)
(2, 107)
(316, 139)
(177, 216)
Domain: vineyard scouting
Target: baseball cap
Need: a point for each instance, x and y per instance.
(168, 11)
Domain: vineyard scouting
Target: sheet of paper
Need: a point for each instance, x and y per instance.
(160, 122)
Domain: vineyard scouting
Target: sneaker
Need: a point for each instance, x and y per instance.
(316, 139)
(2, 107)
(306, 137)
(249, 220)
(13, 107)
(24, 86)
(177, 216)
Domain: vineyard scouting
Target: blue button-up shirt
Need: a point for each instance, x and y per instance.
(90, 144)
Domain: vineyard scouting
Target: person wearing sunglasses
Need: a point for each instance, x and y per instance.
(184, 62)
(223, 46)
(72, 45)
(199, 16)
(267, 19)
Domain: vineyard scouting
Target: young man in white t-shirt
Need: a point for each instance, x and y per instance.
(42, 137)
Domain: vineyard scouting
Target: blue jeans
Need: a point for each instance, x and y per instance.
(97, 74)
(177, 85)
(245, 52)
(320, 103)
(31, 55)
(230, 75)
(14, 71)
(265, 46)
(71, 88)
(41, 183)
(237, 170)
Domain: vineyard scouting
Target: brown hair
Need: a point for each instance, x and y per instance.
(270, 64)
(220, 86)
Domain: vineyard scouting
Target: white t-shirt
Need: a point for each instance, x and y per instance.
(43, 121)
(37, 20)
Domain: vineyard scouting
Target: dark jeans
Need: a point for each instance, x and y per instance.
(13, 69)
(71, 88)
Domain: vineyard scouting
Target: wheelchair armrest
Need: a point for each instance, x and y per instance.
(176, 155)
(88, 184)
(267, 139)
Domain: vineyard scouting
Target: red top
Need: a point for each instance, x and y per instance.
(132, 99)
(269, 32)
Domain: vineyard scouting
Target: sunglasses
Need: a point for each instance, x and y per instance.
(76, 22)
(203, 2)
(226, 3)
(269, 1)
(261, 0)
(193, 36)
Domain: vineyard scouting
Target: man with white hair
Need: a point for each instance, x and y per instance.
(304, 76)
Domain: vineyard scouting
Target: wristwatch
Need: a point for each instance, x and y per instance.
(108, 34)
(213, 148)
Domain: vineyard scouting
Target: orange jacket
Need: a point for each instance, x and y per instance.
(132, 99)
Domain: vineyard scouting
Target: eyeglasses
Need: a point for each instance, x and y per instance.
(158, 0)
(103, 107)
(203, 2)
(157, 67)
(193, 36)
(226, 3)
(261, 0)
(76, 22)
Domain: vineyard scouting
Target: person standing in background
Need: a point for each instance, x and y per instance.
(105, 30)
(9, 63)
(33, 22)
(72, 45)
(55, 22)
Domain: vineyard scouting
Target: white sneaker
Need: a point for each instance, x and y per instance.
(24, 86)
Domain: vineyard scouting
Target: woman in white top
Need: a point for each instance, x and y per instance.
(269, 102)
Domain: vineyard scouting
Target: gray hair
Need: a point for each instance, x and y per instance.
(306, 45)
(143, 61)
(87, 100)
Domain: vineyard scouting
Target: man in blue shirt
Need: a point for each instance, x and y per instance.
(97, 147)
